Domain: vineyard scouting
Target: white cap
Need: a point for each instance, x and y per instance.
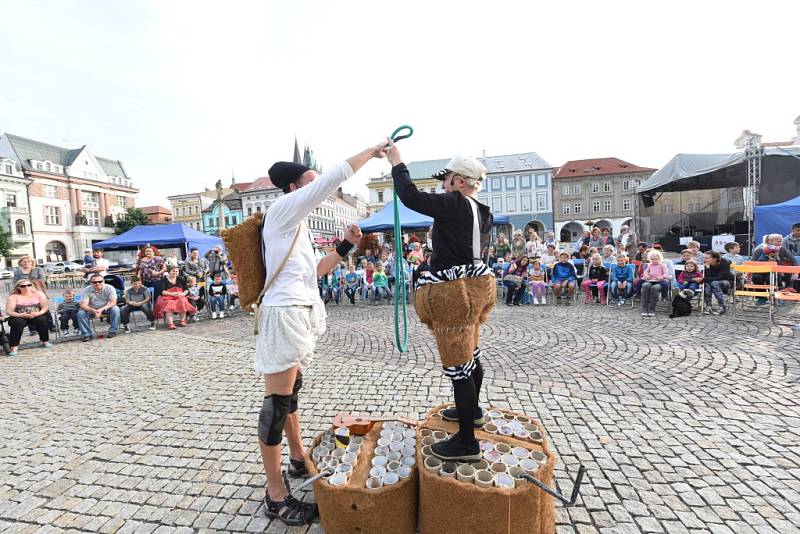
(464, 165)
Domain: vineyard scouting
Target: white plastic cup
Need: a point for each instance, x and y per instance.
(495, 414)
(408, 461)
(465, 473)
(498, 468)
(484, 478)
(405, 471)
(492, 456)
(377, 472)
(350, 458)
(539, 457)
(491, 428)
(410, 442)
(322, 465)
(516, 473)
(510, 460)
(448, 470)
(390, 478)
(503, 480)
(502, 448)
(338, 479)
(408, 451)
(523, 419)
(384, 442)
(486, 446)
(397, 436)
(356, 440)
(427, 451)
(409, 433)
(530, 466)
(344, 468)
(338, 454)
(374, 482)
(353, 448)
(389, 424)
(428, 440)
(394, 456)
(506, 431)
(379, 460)
(522, 434)
(396, 446)
(393, 466)
(521, 452)
(387, 433)
(381, 451)
(439, 435)
(433, 464)
(424, 432)
(508, 416)
(480, 464)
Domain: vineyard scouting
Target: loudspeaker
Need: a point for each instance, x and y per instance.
(740, 227)
(648, 201)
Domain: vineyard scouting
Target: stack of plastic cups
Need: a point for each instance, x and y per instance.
(506, 424)
(394, 455)
(337, 461)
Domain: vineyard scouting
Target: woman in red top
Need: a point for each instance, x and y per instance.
(173, 291)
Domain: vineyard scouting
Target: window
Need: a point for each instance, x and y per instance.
(227, 221)
(9, 168)
(541, 180)
(497, 204)
(90, 199)
(496, 186)
(52, 215)
(20, 227)
(258, 209)
(511, 203)
(511, 182)
(626, 204)
(694, 206)
(606, 187)
(565, 190)
(525, 181)
(541, 201)
(47, 166)
(565, 208)
(11, 200)
(92, 217)
(578, 208)
(526, 203)
(380, 196)
(38, 166)
(120, 201)
(595, 206)
(50, 191)
(626, 185)
(595, 187)
(606, 205)
(667, 209)
(576, 189)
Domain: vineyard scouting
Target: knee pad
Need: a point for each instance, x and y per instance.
(298, 385)
(272, 418)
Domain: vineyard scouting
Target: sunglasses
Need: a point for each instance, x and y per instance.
(25, 285)
(97, 282)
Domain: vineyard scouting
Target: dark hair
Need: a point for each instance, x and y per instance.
(96, 275)
(729, 246)
(714, 254)
(135, 279)
(641, 244)
(98, 250)
(195, 248)
(796, 225)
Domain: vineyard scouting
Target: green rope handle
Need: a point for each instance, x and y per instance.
(400, 272)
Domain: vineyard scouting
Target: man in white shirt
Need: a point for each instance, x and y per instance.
(100, 265)
(291, 316)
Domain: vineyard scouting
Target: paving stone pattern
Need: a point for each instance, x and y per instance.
(685, 425)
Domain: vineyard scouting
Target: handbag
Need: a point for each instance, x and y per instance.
(513, 278)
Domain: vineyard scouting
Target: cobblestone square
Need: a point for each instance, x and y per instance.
(685, 425)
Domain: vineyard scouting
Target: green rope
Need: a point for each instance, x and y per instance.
(400, 272)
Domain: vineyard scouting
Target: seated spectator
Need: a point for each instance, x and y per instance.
(620, 249)
(596, 238)
(641, 248)
(492, 257)
(621, 280)
(502, 247)
(536, 279)
(98, 299)
(27, 269)
(196, 266)
(172, 292)
(367, 284)
(380, 284)
(351, 279)
(550, 239)
(608, 257)
(697, 256)
(686, 255)
(595, 280)
(606, 237)
(583, 239)
(425, 266)
(233, 291)
(217, 296)
(581, 254)
(330, 287)
(732, 251)
(690, 277)
(718, 280)
(792, 241)
(27, 306)
(415, 256)
(137, 298)
(66, 311)
(550, 257)
(640, 270)
(772, 251)
(196, 295)
(564, 278)
(516, 280)
(654, 279)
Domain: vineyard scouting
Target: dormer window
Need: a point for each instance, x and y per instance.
(47, 166)
(38, 165)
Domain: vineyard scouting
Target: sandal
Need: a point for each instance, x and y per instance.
(291, 511)
(297, 468)
(182, 323)
(171, 326)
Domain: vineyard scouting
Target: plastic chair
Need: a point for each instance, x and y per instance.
(780, 296)
(53, 311)
(759, 291)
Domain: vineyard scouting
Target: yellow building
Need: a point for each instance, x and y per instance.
(382, 187)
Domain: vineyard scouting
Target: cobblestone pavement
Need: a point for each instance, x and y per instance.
(685, 425)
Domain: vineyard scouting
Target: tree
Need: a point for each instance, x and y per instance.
(6, 243)
(133, 217)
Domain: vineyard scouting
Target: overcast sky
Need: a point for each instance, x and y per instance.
(184, 92)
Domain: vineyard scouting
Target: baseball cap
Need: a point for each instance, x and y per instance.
(464, 165)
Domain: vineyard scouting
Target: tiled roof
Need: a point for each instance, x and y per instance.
(598, 167)
(526, 161)
(155, 209)
(28, 149)
(241, 187)
(260, 184)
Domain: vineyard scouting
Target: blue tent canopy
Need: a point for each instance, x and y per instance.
(409, 219)
(384, 219)
(162, 235)
(776, 218)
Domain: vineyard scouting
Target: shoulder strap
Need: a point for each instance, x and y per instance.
(267, 284)
(476, 232)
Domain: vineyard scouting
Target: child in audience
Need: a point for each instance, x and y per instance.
(697, 256)
(68, 310)
(195, 295)
(641, 248)
(595, 280)
(686, 255)
(351, 284)
(621, 249)
(233, 291)
(549, 257)
(655, 276)
(583, 255)
(88, 260)
(608, 257)
(564, 278)
(381, 284)
(367, 282)
(732, 251)
(537, 283)
(690, 277)
(330, 287)
(217, 296)
(637, 283)
(621, 280)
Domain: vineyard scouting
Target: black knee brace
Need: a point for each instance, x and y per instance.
(298, 385)
(272, 418)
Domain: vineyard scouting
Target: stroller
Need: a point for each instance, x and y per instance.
(119, 285)
(3, 336)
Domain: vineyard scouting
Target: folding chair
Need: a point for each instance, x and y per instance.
(784, 296)
(53, 311)
(763, 291)
(699, 295)
(608, 289)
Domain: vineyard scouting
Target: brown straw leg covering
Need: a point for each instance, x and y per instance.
(354, 509)
(454, 312)
(447, 505)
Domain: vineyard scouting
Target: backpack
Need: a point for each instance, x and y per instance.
(242, 241)
(681, 307)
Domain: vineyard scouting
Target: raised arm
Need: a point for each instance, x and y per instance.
(430, 204)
